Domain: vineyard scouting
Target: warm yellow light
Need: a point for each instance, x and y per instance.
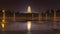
(29, 9)
(3, 10)
(2, 25)
(3, 21)
(29, 25)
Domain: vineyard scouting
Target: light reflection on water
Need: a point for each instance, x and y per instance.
(29, 32)
(29, 26)
(22, 26)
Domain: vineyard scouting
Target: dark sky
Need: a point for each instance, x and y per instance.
(36, 5)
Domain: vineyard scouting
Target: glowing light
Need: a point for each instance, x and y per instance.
(29, 9)
(29, 25)
(29, 22)
(2, 25)
(3, 11)
(3, 21)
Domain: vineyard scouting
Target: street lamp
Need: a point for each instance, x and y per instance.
(3, 20)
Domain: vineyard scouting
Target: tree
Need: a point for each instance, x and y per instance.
(9, 13)
(1, 13)
(50, 12)
(58, 12)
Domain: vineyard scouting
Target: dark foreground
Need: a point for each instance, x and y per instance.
(32, 32)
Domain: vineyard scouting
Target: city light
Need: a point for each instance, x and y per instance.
(3, 25)
(29, 22)
(29, 9)
(3, 11)
(3, 20)
(29, 25)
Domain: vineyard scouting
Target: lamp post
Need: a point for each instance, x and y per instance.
(3, 20)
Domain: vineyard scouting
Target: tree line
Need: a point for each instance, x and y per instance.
(49, 12)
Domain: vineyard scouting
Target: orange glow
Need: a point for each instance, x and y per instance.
(2, 25)
(3, 21)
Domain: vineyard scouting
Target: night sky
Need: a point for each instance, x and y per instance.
(36, 5)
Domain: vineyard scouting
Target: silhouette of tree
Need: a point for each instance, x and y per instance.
(9, 13)
(1, 13)
(58, 12)
(17, 13)
(50, 12)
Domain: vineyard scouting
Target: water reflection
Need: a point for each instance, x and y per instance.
(29, 32)
(32, 27)
(29, 26)
(3, 21)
